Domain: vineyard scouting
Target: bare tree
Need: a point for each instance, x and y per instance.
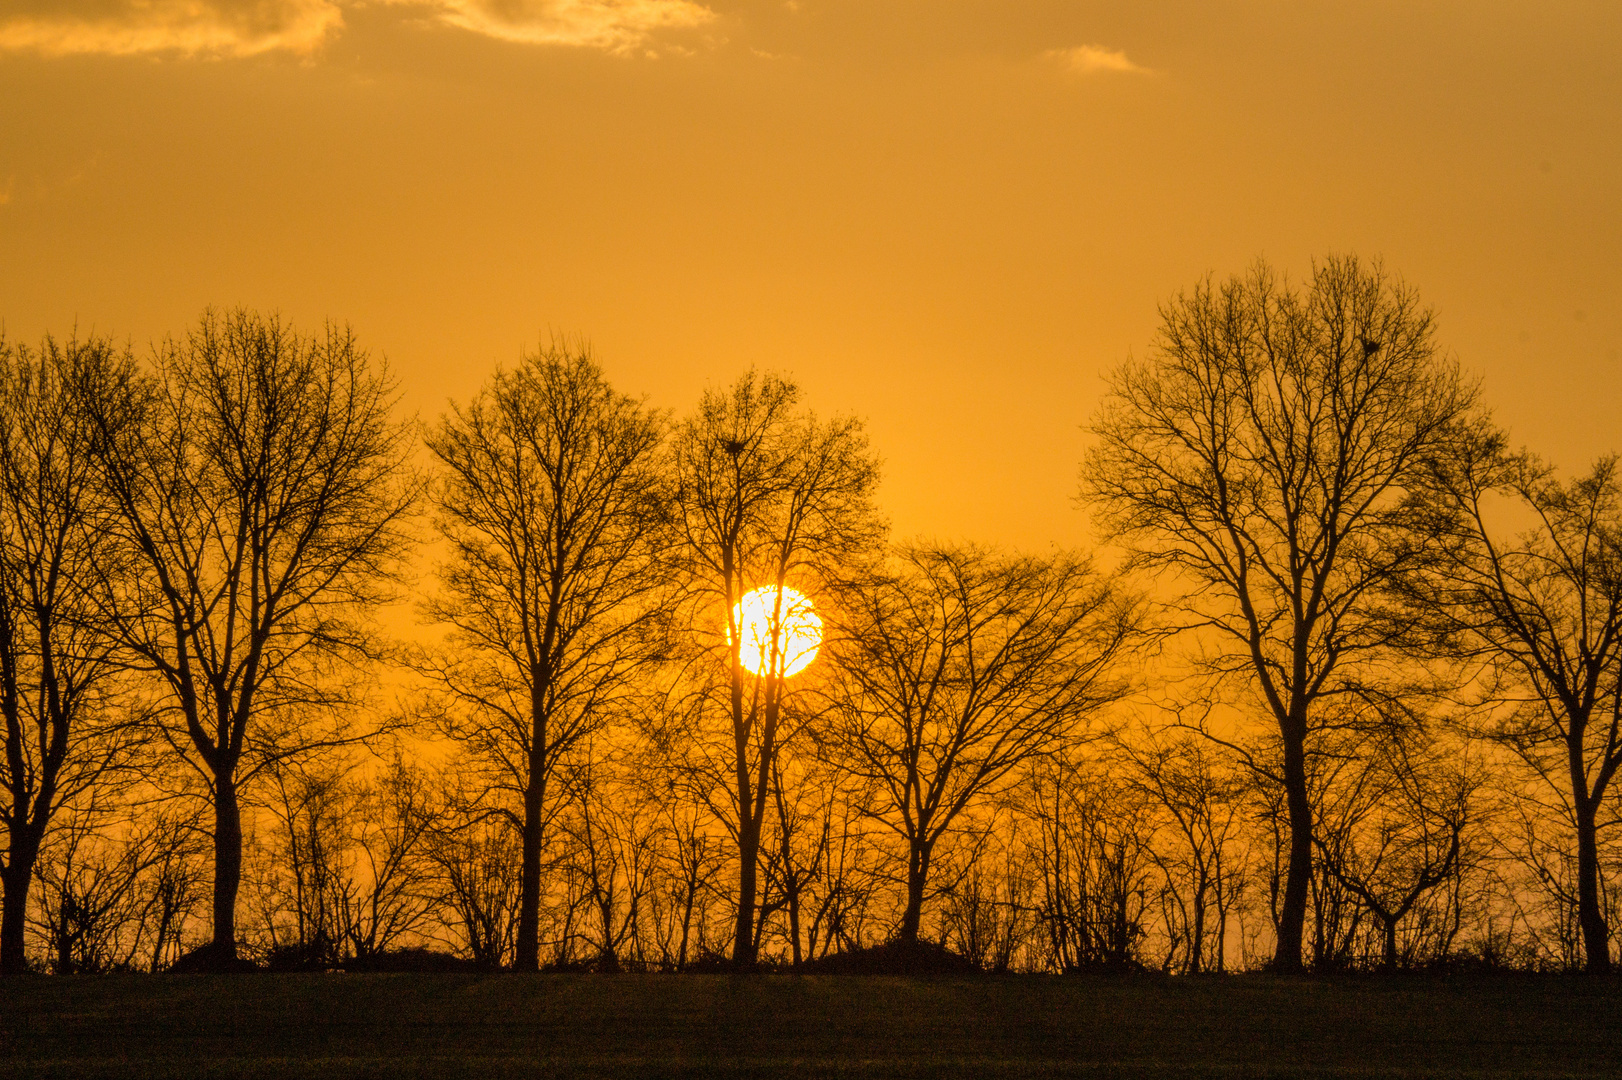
(106, 879)
(176, 886)
(612, 829)
(836, 902)
(1093, 865)
(63, 731)
(550, 498)
(988, 912)
(957, 668)
(1203, 873)
(805, 882)
(768, 496)
(476, 861)
(1265, 455)
(692, 860)
(352, 866)
(391, 894)
(1402, 834)
(313, 809)
(260, 496)
(1542, 610)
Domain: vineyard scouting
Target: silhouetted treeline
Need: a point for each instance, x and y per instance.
(288, 679)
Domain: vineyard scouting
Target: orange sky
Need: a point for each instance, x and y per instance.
(947, 216)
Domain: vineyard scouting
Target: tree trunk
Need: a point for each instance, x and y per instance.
(1196, 950)
(1293, 913)
(1596, 935)
(796, 954)
(227, 866)
(64, 937)
(18, 875)
(686, 923)
(528, 954)
(165, 921)
(743, 937)
(1389, 962)
(917, 878)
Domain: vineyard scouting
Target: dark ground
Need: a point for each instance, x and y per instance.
(497, 1026)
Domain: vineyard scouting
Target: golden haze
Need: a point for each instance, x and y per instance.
(948, 217)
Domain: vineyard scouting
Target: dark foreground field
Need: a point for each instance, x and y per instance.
(490, 1027)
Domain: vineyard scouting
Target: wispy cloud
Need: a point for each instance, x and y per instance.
(614, 25)
(249, 27)
(1094, 59)
(190, 27)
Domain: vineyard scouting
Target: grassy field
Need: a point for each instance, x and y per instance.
(496, 1026)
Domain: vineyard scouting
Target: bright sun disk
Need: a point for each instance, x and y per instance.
(798, 639)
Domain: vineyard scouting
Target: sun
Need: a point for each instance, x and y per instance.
(797, 642)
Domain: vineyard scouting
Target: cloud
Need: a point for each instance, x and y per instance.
(249, 27)
(189, 27)
(1092, 59)
(615, 25)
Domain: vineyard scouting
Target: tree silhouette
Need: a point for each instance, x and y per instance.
(259, 494)
(1543, 611)
(1264, 455)
(550, 497)
(65, 729)
(957, 668)
(1400, 830)
(1202, 802)
(768, 495)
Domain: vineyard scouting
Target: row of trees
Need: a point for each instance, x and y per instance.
(1360, 550)
(1352, 698)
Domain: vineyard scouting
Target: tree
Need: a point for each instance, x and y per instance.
(63, 733)
(312, 810)
(260, 495)
(353, 862)
(958, 667)
(1401, 829)
(1203, 804)
(92, 891)
(550, 497)
(614, 832)
(392, 897)
(767, 496)
(1265, 455)
(807, 880)
(1093, 862)
(475, 859)
(692, 861)
(1542, 610)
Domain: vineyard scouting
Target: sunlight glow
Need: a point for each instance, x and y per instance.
(799, 636)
